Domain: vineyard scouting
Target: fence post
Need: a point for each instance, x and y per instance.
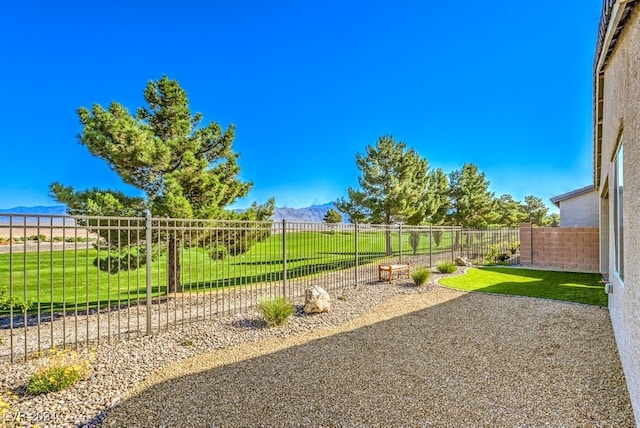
(400, 242)
(148, 239)
(356, 251)
(284, 257)
(453, 243)
(430, 245)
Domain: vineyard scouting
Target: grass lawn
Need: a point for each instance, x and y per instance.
(587, 288)
(66, 280)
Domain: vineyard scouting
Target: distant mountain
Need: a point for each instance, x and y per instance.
(314, 213)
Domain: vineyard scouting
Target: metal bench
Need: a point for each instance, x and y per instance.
(398, 268)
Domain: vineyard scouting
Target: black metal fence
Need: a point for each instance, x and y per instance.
(71, 281)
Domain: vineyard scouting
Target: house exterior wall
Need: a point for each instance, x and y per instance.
(574, 249)
(621, 118)
(580, 211)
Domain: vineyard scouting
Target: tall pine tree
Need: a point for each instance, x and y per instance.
(184, 170)
(393, 184)
(472, 204)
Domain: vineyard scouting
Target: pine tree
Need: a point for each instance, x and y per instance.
(472, 204)
(536, 210)
(393, 184)
(185, 170)
(509, 211)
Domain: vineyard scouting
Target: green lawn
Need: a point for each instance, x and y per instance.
(587, 288)
(66, 280)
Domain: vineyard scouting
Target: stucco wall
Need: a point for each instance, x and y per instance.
(621, 116)
(574, 249)
(580, 211)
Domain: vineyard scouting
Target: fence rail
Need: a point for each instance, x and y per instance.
(73, 281)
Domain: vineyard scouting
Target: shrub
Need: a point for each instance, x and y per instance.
(8, 302)
(58, 370)
(276, 311)
(123, 261)
(513, 246)
(420, 276)
(41, 238)
(493, 255)
(446, 267)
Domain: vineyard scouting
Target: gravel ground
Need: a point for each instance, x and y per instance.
(386, 355)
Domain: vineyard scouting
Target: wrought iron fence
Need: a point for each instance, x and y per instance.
(73, 281)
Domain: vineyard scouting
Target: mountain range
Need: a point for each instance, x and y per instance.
(312, 214)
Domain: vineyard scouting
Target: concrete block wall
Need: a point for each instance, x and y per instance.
(564, 248)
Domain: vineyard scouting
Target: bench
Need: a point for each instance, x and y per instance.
(398, 269)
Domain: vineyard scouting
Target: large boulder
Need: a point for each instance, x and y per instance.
(316, 300)
(461, 261)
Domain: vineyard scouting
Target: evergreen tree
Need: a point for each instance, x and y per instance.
(472, 204)
(332, 216)
(553, 220)
(437, 199)
(509, 211)
(185, 170)
(393, 184)
(536, 210)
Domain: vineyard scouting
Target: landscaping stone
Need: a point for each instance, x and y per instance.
(317, 300)
(462, 261)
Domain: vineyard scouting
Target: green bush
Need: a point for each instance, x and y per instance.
(276, 311)
(41, 238)
(124, 261)
(420, 276)
(446, 267)
(494, 256)
(8, 302)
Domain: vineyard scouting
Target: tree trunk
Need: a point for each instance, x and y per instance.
(387, 237)
(173, 269)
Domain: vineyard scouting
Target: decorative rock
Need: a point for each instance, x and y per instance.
(461, 261)
(316, 300)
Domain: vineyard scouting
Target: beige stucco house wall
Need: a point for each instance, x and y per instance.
(617, 124)
(578, 208)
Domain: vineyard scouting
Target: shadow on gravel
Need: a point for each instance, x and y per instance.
(476, 360)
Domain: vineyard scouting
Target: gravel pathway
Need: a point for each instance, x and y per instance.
(386, 355)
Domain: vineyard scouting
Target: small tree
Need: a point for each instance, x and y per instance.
(332, 216)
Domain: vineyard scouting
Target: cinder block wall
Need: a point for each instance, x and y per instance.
(566, 248)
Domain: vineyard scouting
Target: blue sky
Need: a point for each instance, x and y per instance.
(503, 84)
